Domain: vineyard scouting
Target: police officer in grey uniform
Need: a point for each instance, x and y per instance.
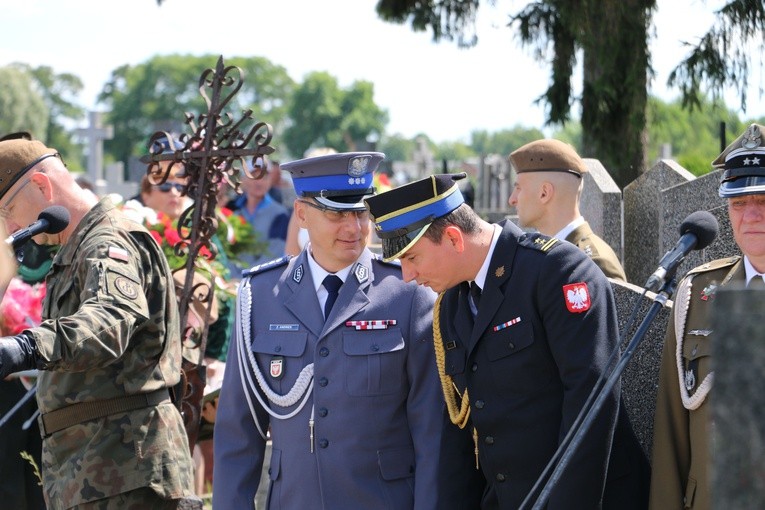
(348, 390)
(683, 437)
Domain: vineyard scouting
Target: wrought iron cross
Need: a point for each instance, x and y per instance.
(214, 152)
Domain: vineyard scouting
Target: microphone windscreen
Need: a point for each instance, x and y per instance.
(703, 225)
(57, 218)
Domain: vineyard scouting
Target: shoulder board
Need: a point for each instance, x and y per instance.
(537, 241)
(395, 262)
(266, 266)
(715, 264)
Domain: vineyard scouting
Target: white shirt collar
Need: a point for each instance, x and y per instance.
(565, 231)
(480, 278)
(751, 272)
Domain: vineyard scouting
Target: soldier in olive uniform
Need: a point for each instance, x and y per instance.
(683, 430)
(108, 347)
(548, 186)
(524, 327)
(343, 375)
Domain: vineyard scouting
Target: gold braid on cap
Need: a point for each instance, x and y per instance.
(459, 418)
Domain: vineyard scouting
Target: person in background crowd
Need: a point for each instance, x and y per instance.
(683, 434)
(548, 187)
(332, 353)
(109, 333)
(269, 218)
(523, 327)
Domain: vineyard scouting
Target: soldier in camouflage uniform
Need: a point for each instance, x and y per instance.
(550, 176)
(108, 348)
(683, 437)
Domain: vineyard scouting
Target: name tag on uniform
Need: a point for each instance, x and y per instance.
(283, 327)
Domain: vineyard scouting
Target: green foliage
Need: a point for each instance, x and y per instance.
(21, 103)
(156, 95)
(452, 151)
(503, 142)
(324, 115)
(396, 147)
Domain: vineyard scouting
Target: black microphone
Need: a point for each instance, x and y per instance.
(52, 220)
(697, 231)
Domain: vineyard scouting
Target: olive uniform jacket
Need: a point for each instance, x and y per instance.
(110, 330)
(545, 329)
(682, 430)
(353, 404)
(598, 250)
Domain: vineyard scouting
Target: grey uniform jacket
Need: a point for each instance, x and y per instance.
(374, 396)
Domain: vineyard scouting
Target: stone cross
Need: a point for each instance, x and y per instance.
(95, 134)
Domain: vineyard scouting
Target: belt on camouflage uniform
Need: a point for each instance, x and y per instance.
(86, 411)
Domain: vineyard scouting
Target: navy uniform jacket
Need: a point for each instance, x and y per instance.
(529, 362)
(375, 397)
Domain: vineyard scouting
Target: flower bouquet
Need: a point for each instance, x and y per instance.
(21, 307)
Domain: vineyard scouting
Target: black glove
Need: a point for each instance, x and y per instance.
(17, 353)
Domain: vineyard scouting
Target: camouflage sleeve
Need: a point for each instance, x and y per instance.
(95, 304)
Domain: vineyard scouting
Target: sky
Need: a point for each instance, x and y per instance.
(434, 88)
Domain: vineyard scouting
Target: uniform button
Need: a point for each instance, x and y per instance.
(489, 440)
(323, 381)
(474, 367)
(500, 477)
(323, 412)
(323, 443)
(323, 352)
(511, 345)
(479, 404)
(278, 348)
(375, 348)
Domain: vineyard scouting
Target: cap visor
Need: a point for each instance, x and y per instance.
(742, 186)
(395, 247)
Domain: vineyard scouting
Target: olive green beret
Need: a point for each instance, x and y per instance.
(547, 156)
(18, 154)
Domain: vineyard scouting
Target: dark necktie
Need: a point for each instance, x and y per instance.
(756, 283)
(475, 293)
(332, 283)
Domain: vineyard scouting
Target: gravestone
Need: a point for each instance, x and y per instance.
(601, 205)
(738, 402)
(640, 379)
(643, 206)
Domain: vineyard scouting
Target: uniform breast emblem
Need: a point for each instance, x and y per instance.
(690, 380)
(276, 369)
(499, 272)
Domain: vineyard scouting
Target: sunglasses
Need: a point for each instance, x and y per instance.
(165, 187)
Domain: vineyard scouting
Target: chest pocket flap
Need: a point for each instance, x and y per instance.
(508, 341)
(365, 343)
(695, 348)
(283, 343)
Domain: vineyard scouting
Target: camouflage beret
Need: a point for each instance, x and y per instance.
(743, 162)
(547, 156)
(18, 154)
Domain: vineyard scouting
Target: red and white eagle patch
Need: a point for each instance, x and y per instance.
(577, 297)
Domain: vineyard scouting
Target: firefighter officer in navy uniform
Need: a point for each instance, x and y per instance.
(523, 327)
(349, 390)
(683, 438)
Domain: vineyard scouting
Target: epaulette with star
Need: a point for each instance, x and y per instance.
(260, 268)
(715, 264)
(538, 241)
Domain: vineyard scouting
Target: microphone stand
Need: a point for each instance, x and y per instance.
(567, 449)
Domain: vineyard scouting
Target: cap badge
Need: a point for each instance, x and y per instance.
(752, 138)
(358, 166)
(499, 272)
